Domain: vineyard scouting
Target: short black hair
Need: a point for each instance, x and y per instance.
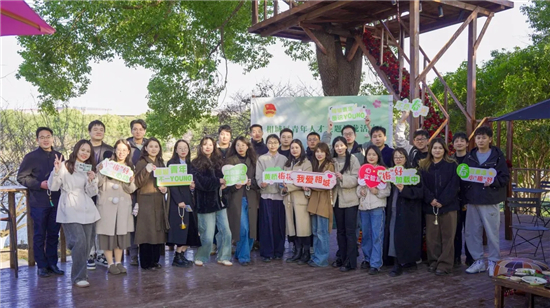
(421, 132)
(484, 130)
(377, 129)
(286, 130)
(313, 134)
(224, 127)
(95, 123)
(255, 125)
(41, 128)
(461, 135)
(140, 122)
(272, 136)
(347, 126)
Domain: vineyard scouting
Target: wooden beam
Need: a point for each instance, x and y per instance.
(254, 12)
(284, 15)
(465, 6)
(447, 45)
(352, 51)
(414, 31)
(314, 39)
(471, 81)
(265, 10)
(330, 29)
(276, 7)
(311, 15)
(482, 33)
(376, 67)
(400, 49)
(509, 152)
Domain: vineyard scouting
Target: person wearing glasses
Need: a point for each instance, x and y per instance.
(313, 140)
(34, 172)
(419, 149)
(348, 132)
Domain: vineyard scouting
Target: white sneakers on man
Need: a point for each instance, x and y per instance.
(491, 268)
(82, 284)
(478, 267)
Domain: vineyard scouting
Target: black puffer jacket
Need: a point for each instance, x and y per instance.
(477, 193)
(441, 182)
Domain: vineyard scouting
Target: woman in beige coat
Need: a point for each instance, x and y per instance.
(115, 208)
(152, 218)
(298, 222)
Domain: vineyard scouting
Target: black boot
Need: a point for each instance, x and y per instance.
(178, 260)
(296, 256)
(186, 262)
(306, 256)
(397, 270)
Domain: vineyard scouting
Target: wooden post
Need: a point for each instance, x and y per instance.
(414, 35)
(254, 12)
(507, 211)
(13, 227)
(471, 83)
(276, 7)
(381, 46)
(30, 231)
(265, 9)
(401, 55)
(449, 122)
(499, 133)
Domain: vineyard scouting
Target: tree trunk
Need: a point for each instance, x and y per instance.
(338, 76)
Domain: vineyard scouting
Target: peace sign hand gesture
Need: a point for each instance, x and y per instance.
(57, 163)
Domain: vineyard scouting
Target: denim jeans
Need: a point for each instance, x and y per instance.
(372, 224)
(79, 241)
(244, 245)
(321, 240)
(207, 224)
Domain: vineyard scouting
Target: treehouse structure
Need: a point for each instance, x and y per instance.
(378, 29)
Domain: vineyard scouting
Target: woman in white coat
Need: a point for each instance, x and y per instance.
(77, 211)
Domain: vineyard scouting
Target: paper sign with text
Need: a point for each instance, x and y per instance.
(348, 112)
(173, 175)
(321, 180)
(399, 175)
(276, 175)
(417, 108)
(116, 171)
(368, 175)
(477, 175)
(235, 174)
(82, 167)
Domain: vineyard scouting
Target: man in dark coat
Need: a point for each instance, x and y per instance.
(257, 133)
(33, 173)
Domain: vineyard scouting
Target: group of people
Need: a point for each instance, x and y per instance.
(102, 216)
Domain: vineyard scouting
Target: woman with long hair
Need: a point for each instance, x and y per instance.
(115, 208)
(76, 210)
(182, 209)
(244, 200)
(320, 208)
(272, 209)
(211, 211)
(404, 213)
(152, 217)
(298, 222)
(346, 205)
(441, 185)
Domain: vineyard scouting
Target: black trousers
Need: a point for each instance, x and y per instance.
(346, 225)
(149, 255)
(46, 235)
(460, 224)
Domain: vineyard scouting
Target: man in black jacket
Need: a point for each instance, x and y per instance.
(313, 139)
(257, 133)
(483, 201)
(33, 173)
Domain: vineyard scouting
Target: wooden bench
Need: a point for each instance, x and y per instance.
(530, 291)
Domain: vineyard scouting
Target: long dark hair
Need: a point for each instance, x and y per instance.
(69, 164)
(144, 153)
(175, 157)
(250, 152)
(403, 152)
(425, 163)
(128, 160)
(293, 161)
(203, 163)
(315, 162)
(376, 150)
(347, 164)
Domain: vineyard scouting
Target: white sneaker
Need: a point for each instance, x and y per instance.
(225, 262)
(198, 263)
(101, 260)
(491, 268)
(478, 267)
(82, 284)
(90, 264)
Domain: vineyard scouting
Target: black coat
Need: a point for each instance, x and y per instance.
(477, 193)
(260, 147)
(136, 152)
(408, 223)
(463, 184)
(207, 191)
(35, 168)
(441, 182)
(178, 194)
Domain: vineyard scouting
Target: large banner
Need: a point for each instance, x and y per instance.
(312, 114)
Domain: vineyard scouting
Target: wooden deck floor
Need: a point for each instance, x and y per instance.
(275, 284)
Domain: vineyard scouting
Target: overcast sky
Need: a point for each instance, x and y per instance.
(123, 90)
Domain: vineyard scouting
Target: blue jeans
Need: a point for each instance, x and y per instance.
(244, 245)
(372, 224)
(207, 224)
(321, 244)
